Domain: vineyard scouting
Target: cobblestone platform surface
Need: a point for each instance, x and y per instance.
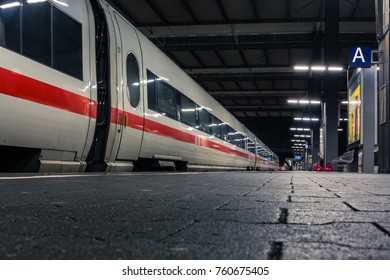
(236, 215)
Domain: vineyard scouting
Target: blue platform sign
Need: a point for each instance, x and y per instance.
(360, 57)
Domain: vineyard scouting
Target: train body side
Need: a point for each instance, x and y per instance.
(47, 111)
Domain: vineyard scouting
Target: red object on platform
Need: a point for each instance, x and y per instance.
(317, 167)
(328, 167)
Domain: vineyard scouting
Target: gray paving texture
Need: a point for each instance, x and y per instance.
(236, 215)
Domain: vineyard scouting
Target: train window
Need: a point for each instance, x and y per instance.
(224, 131)
(67, 45)
(188, 111)
(251, 147)
(215, 127)
(10, 25)
(231, 135)
(166, 99)
(152, 101)
(37, 31)
(133, 80)
(204, 120)
(239, 140)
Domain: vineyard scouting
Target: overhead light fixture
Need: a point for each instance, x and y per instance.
(35, 1)
(303, 101)
(10, 5)
(307, 119)
(340, 129)
(299, 129)
(344, 102)
(318, 68)
(335, 68)
(301, 68)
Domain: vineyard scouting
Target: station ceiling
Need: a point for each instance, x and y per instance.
(244, 52)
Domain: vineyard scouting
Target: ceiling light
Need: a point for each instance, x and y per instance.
(301, 68)
(315, 119)
(318, 68)
(335, 68)
(303, 101)
(10, 5)
(298, 119)
(35, 1)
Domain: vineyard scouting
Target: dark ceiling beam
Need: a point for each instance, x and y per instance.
(221, 85)
(239, 66)
(254, 9)
(254, 94)
(190, 11)
(261, 93)
(157, 12)
(223, 11)
(277, 76)
(249, 21)
(244, 59)
(268, 62)
(197, 59)
(220, 58)
(287, 10)
(282, 41)
(355, 9)
(263, 108)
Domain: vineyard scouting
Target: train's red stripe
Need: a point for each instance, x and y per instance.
(169, 132)
(20, 86)
(133, 121)
(212, 145)
(23, 87)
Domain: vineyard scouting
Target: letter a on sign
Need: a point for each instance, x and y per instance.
(360, 57)
(358, 54)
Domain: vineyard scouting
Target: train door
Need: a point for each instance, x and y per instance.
(130, 90)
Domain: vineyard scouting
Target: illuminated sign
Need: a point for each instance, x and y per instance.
(354, 111)
(360, 57)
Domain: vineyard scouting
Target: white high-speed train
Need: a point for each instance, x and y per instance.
(82, 90)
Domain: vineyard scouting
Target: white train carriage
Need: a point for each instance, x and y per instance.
(47, 103)
(69, 108)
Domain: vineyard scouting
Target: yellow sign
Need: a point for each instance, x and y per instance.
(354, 116)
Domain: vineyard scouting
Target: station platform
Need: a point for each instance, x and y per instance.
(227, 215)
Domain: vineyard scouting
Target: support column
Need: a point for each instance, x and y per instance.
(368, 118)
(314, 90)
(331, 116)
(382, 18)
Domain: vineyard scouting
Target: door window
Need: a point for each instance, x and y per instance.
(133, 80)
